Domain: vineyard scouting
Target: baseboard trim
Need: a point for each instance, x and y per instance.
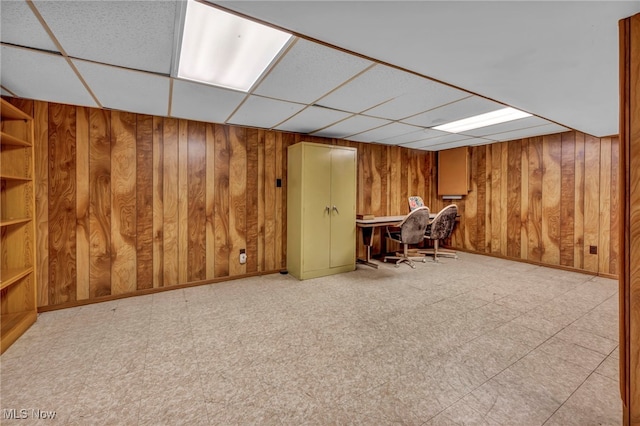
(146, 291)
(532, 262)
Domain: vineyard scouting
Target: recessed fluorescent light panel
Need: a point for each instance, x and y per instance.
(225, 50)
(482, 120)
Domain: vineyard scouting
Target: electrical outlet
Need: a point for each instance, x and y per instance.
(243, 256)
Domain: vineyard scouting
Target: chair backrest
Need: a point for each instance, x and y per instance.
(415, 202)
(414, 225)
(442, 225)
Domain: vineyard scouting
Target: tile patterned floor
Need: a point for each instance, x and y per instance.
(477, 341)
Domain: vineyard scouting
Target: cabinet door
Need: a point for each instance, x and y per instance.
(343, 216)
(317, 197)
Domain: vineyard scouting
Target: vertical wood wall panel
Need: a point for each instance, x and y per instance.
(269, 200)
(260, 200)
(221, 167)
(99, 203)
(591, 201)
(144, 201)
(170, 202)
(82, 203)
(237, 199)
(578, 218)
(197, 218)
(481, 199)
(471, 205)
(251, 200)
(158, 209)
(524, 199)
(614, 209)
(551, 172)
(279, 208)
(604, 207)
(41, 171)
(534, 229)
(514, 175)
(183, 201)
(210, 201)
(567, 196)
(62, 204)
(123, 202)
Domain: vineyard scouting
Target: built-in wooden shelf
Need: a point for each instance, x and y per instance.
(7, 139)
(16, 221)
(17, 239)
(10, 276)
(9, 112)
(14, 324)
(9, 177)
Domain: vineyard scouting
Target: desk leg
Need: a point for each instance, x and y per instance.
(367, 239)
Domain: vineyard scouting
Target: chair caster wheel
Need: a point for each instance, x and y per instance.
(424, 260)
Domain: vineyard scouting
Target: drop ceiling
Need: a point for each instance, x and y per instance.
(380, 72)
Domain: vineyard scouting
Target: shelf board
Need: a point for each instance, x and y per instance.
(7, 139)
(9, 222)
(11, 276)
(9, 112)
(13, 325)
(9, 177)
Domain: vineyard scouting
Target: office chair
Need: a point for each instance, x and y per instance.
(415, 201)
(410, 231)
(440, 228)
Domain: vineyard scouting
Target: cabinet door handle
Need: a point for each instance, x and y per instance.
(336, 209)
(328, 209)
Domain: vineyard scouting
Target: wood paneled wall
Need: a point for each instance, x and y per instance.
(544, 199)
(127, 203)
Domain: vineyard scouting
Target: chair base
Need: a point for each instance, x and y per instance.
(406, 256)
(436, 252)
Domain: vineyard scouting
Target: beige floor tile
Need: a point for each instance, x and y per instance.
(596, 402)
(507, 400)
(573, 353)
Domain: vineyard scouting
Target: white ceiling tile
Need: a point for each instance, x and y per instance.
(522, 123)
(351, 126)
(423, 96)
(463, 142)
(131, 34)
(464, 108)
(381, 133)
(446, 138)
(546, 129)
(379, 84)
(308, 71)
(421, 134)
(264, 112)
(42, 76)
(312, 118)
(19, 26)
(200, 102)
(126, 90)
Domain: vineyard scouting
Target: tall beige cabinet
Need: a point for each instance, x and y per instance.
(321, 210)
(17, 225)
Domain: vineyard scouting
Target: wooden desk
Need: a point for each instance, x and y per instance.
(368, 226)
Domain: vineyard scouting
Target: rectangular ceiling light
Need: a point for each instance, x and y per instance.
(482, 120)
(223, 49)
